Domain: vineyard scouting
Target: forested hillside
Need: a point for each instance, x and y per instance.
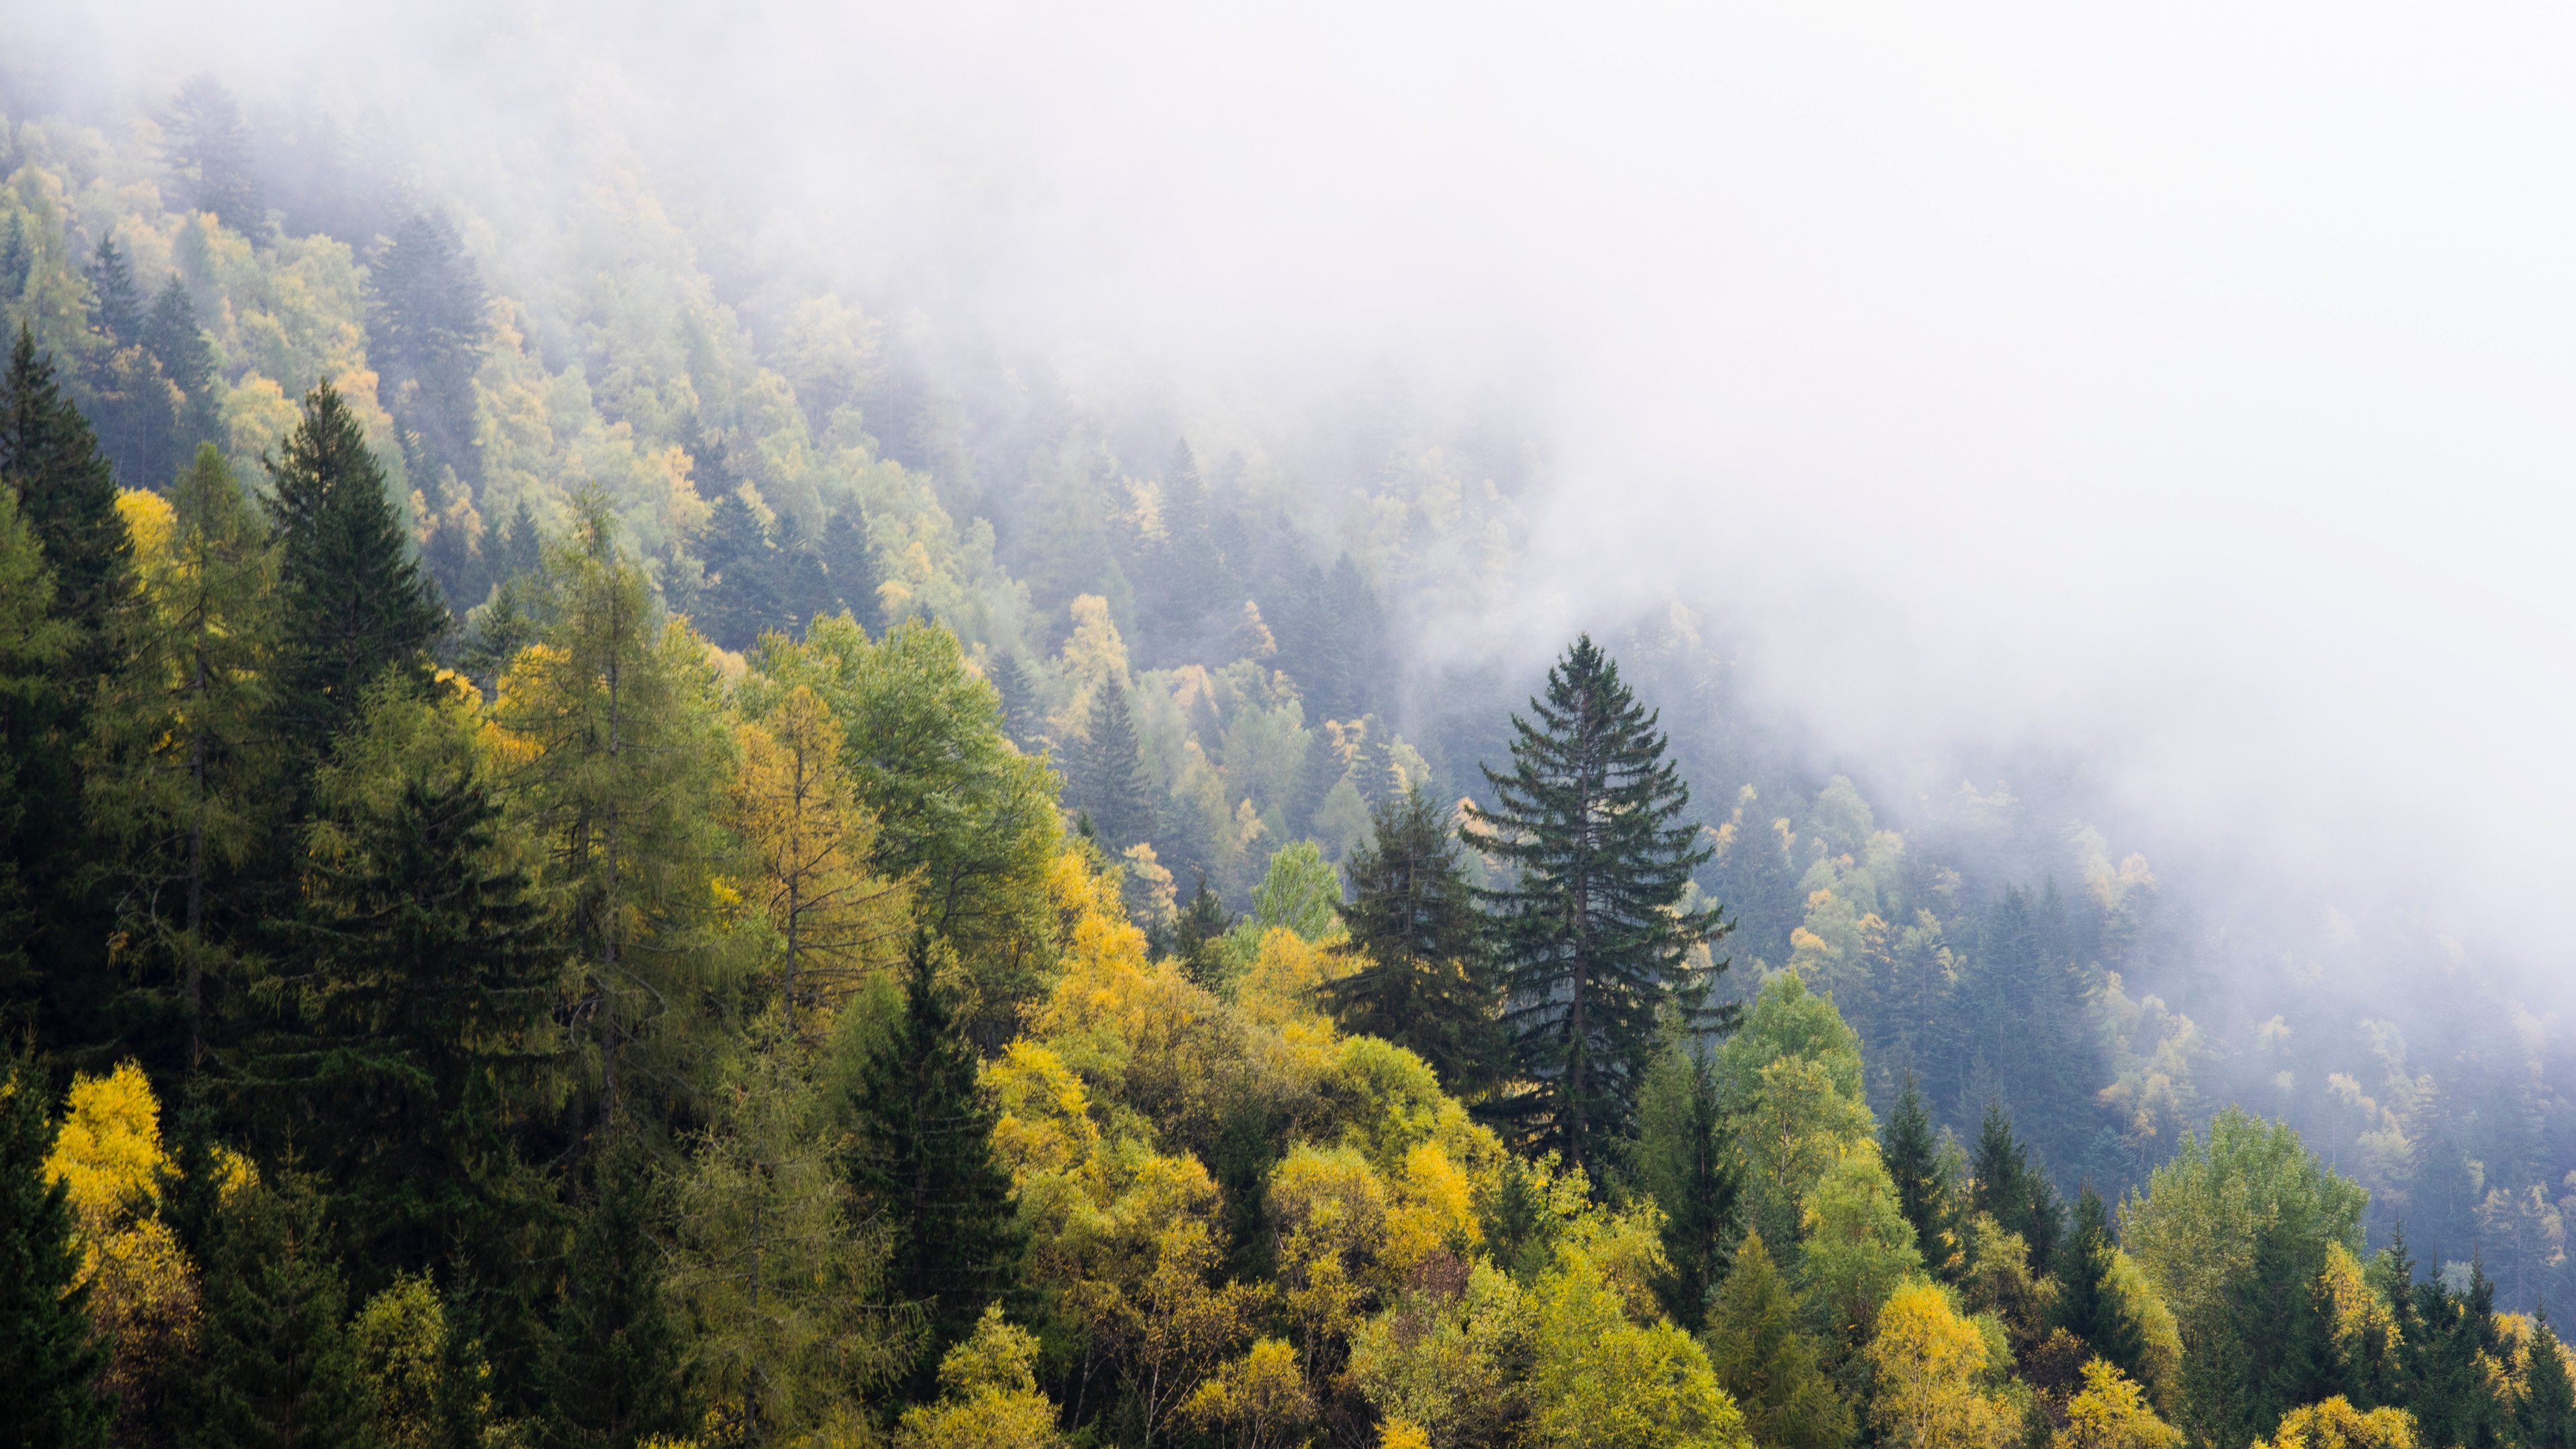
(602, 851)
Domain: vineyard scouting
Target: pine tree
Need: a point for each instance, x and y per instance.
(425, 329)
(206, 140)
(609, 1375)
(924, 1157)
(49, 1362)
(1684, 1163)
(276, 1373)
(1422, 979)
(187, 770)
(1923, 1189)
(1763, 1356)
(422, 976)
(1114, 785)
(1590, 932)
(357, 604)
(2089, 1304)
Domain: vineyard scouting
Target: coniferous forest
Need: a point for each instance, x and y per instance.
(598, 855)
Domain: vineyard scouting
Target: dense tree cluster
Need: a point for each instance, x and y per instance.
(847, 916)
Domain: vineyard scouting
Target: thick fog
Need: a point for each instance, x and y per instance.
(2185, 390)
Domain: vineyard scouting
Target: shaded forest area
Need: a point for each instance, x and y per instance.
(593, 864)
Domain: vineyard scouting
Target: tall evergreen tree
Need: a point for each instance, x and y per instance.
(2545, 1418)
(851, 566)
(66, 501)
(1914, 1164)
(1758, 1344)
(924, 1156)
(357, 603)
(1198, 936)
(49, 1363)
(2026, 1006)
(741, 599)
(187, 770)
(119, 314)
(425, 329)
(421, 978)
(1590, 930)
(2089, 1304)
(187, 360)
(206, 141)
(1685, 1164)
(276, 1372)
(1115, 789)
(609, 1376)
(1422, 978)
(32, 645)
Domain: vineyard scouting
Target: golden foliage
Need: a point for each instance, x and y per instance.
(2336, 1424)
(2110, 1412)
(1929, 1363)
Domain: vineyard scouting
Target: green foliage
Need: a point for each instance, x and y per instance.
(922, 1157)
(277, 1368)
(48, 1359)
(1299, 890)
(356, 604)
(2546, 1416)
(1790, 1084)
(1684, 1162)
(2089, 1303)
(609, 1373)
(1923, 1186)
(1589, 822)
(1422, 978)
(1763, 1356)
(33, 642)
(1116, 791)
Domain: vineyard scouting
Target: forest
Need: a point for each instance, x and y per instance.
(601, 852)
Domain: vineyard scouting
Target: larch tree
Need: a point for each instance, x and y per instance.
(1423, 979)
(1590, 929)
(187, 775)
(808, 842)
(1759, 1345)
(357, 604)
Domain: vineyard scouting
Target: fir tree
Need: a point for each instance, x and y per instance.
(357, 603)
(851, 567)
(2546, 1414)
(1763, 1356)
(425, 328)
(49, 1362)
(206, 141)
(276, 1373)
(1417, 941)
(1685, 1164)
(1198, 937)
(1589, 820)
(609, 1376)
(1114, 785)
(17, 259)
(741, 599)
(119, 315)
(422, 980)
(1322, 768)
(187, 359)
(1914, 1164)
(2089, 1304)
(924, 1157)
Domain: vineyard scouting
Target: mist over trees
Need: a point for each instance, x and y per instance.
(594, 863)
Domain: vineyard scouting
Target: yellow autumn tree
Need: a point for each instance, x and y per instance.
(143, 1288)
(2336, 1424)
(807, 842)
(1929, 1361)
(988, 1395)
(2110, 1412)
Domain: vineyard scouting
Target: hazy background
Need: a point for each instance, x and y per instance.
(2186, 392)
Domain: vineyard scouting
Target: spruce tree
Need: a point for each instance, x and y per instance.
(49, 1362)
(1589, 931)
(119, 315)
(423, 976)
(741, 599)
(206, 140)
(609, 1375)
(851, 567)
(1685, 1163)
(1198, 936)
(1322, 768)
(425, 328)
(1114, 785)
(924, 1157)
(357, 603)
(2089, 1304)
(1914, 1164)
(32, 645)
(2546, 1414)
(1422, 978)
(276, 1374)
(186, 772)
(187, 359)
(1758, 1345)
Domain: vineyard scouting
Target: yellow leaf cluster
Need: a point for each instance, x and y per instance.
(2336, 1424)
(1930, 1362)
